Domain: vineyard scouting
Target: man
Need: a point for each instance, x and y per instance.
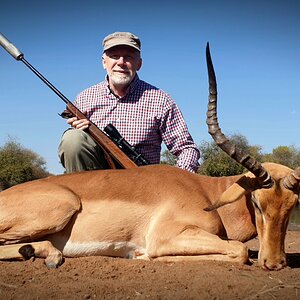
(143, 114)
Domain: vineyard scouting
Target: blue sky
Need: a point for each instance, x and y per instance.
(255, 48)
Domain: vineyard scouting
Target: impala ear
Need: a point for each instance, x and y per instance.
(292, 181)
(246, 183)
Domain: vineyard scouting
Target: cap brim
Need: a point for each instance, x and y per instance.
(120, 44)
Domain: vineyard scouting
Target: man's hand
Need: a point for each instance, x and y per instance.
(78, 124)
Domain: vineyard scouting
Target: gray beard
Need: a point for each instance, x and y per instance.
(120, 81)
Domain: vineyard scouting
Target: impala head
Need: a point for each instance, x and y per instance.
(274, 188)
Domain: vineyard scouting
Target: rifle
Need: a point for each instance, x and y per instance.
(111, 148)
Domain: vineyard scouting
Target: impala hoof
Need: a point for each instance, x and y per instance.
(54, 260)
(51, 265)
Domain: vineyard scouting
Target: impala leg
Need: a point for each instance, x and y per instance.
(193, 243)
(44, 249)
(28, 213)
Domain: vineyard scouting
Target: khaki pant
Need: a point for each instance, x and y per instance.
(79, 152)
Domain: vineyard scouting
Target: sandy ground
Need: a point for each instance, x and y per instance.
(114, 278)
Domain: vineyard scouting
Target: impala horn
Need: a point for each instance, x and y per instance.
(220, 139)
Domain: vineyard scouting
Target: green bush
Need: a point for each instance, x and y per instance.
(18, 164)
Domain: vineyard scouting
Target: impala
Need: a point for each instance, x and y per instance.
(154, 212)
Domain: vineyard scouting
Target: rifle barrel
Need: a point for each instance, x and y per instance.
(47, 82)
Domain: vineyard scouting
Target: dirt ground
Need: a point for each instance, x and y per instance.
(114, 278)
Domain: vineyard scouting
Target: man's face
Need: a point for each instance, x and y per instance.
(121, 64)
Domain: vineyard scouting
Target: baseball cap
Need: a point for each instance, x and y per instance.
(121, 38)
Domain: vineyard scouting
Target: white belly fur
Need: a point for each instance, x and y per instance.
(115, 249)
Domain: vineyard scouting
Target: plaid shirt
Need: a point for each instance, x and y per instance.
(145, 117)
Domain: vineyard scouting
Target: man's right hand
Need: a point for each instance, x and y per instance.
(78, 124)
